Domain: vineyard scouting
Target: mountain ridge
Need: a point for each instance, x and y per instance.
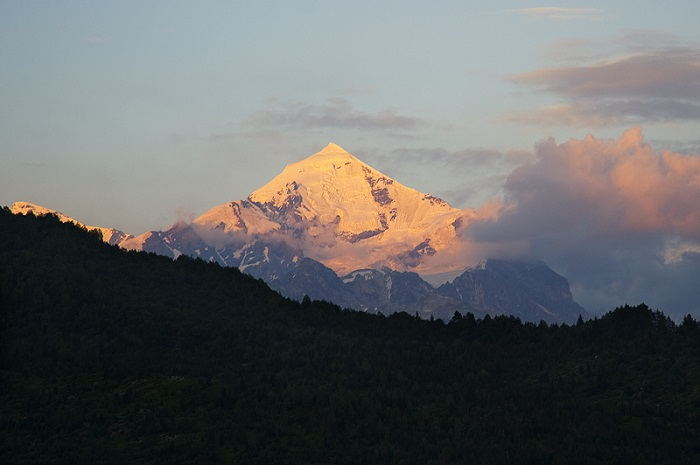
(109, 235)
(312, 230)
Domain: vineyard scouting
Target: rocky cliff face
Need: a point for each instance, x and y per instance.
(387, 291)
(529, 290)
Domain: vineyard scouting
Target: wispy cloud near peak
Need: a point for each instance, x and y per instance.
(336, 113)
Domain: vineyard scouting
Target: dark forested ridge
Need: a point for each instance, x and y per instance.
(120, 357)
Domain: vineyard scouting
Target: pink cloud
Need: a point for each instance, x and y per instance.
(615, 186)
(618, 218)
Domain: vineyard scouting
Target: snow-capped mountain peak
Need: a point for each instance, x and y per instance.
(333, 148)
(334, 187)
(334, 197)
(328, 172)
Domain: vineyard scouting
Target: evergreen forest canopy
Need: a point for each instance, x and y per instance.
(108, 356)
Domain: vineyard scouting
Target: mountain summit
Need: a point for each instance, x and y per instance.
(332, 198)
(332, 148)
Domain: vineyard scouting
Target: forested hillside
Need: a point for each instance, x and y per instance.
(121, 357)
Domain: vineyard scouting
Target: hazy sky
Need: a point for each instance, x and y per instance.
(132, 114)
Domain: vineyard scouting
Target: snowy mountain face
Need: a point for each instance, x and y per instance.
(347, 214)
(109, 235)
(332, 215)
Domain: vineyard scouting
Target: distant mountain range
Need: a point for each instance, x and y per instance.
(333, 228)
(109, 235)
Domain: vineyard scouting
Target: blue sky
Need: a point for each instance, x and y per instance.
(130, 114)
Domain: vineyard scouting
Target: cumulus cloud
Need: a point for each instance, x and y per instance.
(558, 13)
(636, 79)
(334, 113)
(623, 186)
(620, 219)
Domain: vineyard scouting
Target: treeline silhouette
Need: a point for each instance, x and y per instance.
(114, 357)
